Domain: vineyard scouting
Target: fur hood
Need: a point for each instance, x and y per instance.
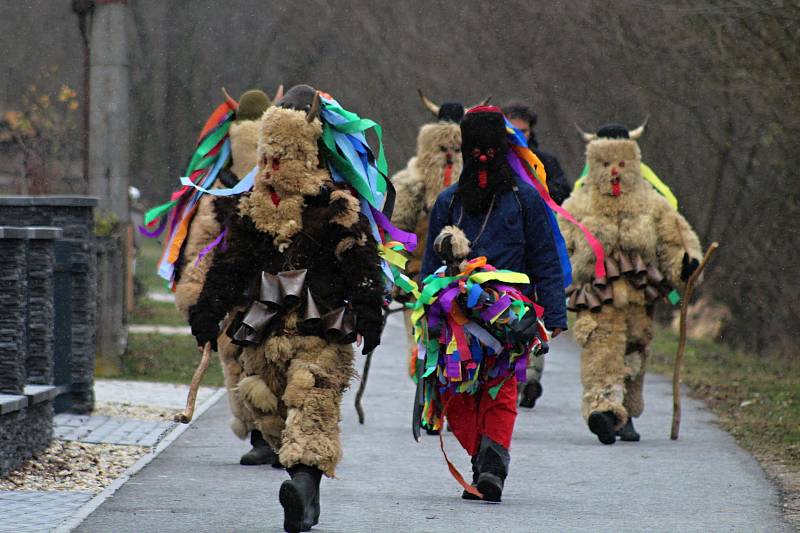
(611, 159)
(435, 143)
(244, 145)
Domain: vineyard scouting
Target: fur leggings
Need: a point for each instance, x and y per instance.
(615, 345)
(291, 387)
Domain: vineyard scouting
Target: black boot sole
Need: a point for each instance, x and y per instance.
(600, 425)
(293, 508)
(468, 496)
(491, 487)
(530, 393)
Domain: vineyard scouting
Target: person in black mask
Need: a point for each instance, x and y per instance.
(505, 220)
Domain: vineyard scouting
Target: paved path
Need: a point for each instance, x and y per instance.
(561, 478)
(170, 395)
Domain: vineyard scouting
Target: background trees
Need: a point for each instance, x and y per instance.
(719, 79)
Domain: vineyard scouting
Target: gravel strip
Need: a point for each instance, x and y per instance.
(131, 410)
(73, 466)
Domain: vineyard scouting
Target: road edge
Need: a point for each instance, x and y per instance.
(83, 512)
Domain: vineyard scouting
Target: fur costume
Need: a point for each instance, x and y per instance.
(206, 226)
(649, 249)
(295, 368)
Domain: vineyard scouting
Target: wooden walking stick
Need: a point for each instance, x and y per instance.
(365, 373)
(676, 374)
(185, 416)
(362, 386)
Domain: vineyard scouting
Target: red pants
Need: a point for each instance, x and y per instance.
(473, 415)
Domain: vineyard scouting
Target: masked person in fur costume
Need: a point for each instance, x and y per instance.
(191, 271)
(302, 252)
(649, 249)
(491, 212)
(436, 165)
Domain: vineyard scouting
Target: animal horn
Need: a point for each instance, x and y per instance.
(314, 111)
(485, 101)
(635, 134)
(278, 94)
(588, 137)
(231, 102)
(433, 108)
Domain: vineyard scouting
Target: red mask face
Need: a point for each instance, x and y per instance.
(483, 157)
(616, 170)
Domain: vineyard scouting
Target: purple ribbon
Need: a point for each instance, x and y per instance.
(520, 367)
(496, 308)
(211, 246)
(156, 232)
(446, 298)
(409, 240)
(453, 365)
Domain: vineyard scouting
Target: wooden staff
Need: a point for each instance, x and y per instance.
(185, 416)
(676, 375)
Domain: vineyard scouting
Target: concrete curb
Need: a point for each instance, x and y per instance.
(89, 507)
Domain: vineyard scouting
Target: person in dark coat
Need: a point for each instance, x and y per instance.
(524, 119)
(505, 220)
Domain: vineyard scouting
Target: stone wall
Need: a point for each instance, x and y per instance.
(27, 326)
(74, 215)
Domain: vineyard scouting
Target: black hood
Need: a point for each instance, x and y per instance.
(484, 147)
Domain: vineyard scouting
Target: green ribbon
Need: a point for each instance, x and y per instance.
(433, 286)
(357, 124)
(158, 211)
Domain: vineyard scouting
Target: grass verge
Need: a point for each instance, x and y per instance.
(165, 358)
(756, 398)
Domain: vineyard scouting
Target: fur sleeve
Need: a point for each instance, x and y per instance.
(675, 237)
(228, 275)
(409, 201)
(358, 252)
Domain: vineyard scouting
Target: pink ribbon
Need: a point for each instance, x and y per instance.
(594, 243)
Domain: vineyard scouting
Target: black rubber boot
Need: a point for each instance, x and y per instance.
(531, 392)
(602, 424)
(491, 476)
(299, 497)
(628, 433)
(468, 495)
(261, 453)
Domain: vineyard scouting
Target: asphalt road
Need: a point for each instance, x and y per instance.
(561, 479)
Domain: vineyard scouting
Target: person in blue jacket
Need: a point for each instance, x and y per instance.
(505, 220)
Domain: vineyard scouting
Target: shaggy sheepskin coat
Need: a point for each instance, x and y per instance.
(614, 315)
(295, 218)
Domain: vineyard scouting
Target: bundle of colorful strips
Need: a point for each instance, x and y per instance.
(211, 155)
(350, 161)
(472, 327)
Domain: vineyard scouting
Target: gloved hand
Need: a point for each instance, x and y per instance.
(444, 247)
(370, 331)
(204, 328)
(688, 267)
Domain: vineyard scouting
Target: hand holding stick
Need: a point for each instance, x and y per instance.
(185, 416)
(676, 375)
